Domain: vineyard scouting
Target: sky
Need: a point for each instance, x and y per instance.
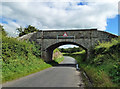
(59, 15)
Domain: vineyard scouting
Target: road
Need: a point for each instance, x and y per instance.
(63, 75)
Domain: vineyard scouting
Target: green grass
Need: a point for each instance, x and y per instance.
(83, 51)
(59, 60)
(103, 67)
(57, 56)
(21, 58)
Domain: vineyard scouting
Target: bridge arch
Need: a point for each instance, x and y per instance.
(48, 52)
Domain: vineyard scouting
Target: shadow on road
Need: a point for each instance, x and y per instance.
(53, 63)
(56, 64)
(66, 65)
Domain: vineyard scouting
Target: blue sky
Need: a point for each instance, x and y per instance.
(3, 20)
(112, 25)
(82, 3)
(119, 25)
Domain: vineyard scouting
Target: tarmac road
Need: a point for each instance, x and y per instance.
(63, 75)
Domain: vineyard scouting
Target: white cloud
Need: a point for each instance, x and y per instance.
(68, 46)
(58, 15)
(11, 28)
(119, 8)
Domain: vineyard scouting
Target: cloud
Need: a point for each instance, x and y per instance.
(119, 8)
(68, 46)
(58, 15)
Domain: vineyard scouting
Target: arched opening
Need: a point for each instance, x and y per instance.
(54, 46)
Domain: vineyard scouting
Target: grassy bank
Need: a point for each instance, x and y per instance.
(57, 56)
(103, 67)
(21, 58)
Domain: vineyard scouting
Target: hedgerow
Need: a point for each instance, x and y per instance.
(103, 66)
(20, 58)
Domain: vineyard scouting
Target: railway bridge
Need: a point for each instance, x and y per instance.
(51, 39)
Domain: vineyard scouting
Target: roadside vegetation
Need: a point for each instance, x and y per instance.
(57, 56)
(70, 50)
(103, 66)
(21, 58)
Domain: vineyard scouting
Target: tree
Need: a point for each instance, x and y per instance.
(3, 30)
(26, 30)
(19, 29)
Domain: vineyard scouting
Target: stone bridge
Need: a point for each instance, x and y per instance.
(51, 39)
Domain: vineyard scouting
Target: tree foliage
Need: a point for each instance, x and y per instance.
(24, 31)
(71, 50)
(3, 30)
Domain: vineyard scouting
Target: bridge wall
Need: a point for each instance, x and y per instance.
(86, 39)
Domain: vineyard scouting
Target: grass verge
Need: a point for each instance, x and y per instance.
(103, 67)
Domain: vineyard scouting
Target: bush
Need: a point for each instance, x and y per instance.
(115, 73)
(20, 58)
(4, 33)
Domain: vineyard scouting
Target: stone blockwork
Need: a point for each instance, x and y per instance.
(51, 39)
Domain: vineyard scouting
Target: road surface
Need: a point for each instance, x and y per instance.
(63, 75)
